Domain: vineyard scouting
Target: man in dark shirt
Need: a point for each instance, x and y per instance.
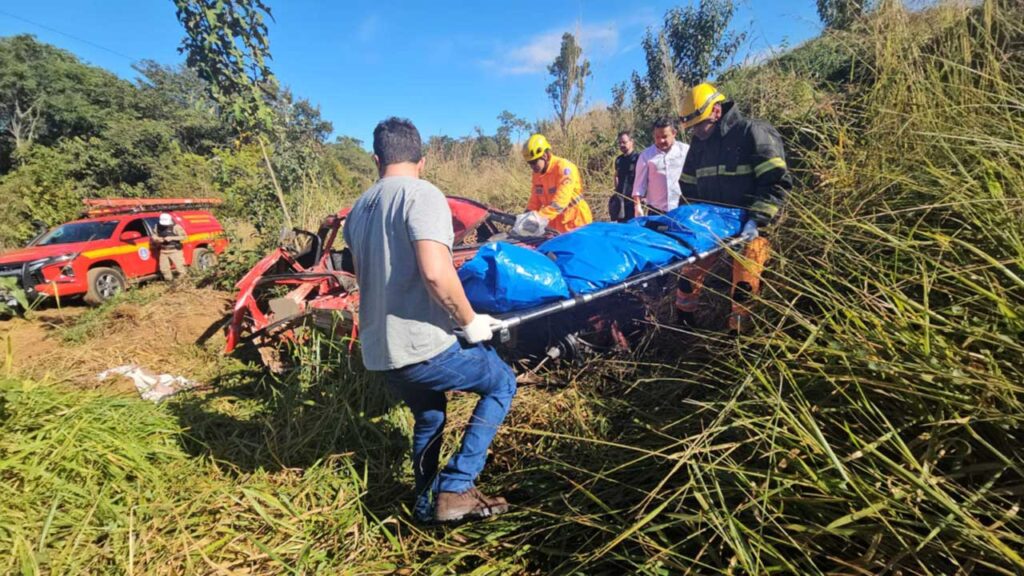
(620, 205)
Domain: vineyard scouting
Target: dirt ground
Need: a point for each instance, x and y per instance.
(165, 331)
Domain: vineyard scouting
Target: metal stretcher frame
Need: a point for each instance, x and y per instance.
(508, 321)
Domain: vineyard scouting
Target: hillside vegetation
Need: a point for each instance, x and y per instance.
(74, 131)
(875, 423)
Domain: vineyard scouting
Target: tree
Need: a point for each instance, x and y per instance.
(511, 128)
(620, 92)
(299, 120)
(693, 45)
(47, 94)
(621, 108)
(699, 41)
(840, 14)
(350, 153)
(570, 72)
(177, 96)
(226, 42)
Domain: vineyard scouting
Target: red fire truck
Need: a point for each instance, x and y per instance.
(98, 255)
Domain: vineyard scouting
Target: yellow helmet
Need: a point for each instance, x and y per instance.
(698, 104)
(536, 146)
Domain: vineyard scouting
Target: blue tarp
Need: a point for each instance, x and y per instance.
(699, 226)
(504, 277)
(605, 253)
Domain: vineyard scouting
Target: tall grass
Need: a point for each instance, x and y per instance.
(462, 169)
(93, 483)
(875, 424)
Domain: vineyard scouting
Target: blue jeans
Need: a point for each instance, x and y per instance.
(464, 367)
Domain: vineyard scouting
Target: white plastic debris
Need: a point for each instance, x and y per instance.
(152, 387)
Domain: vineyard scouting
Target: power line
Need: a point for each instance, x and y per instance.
(71, 36)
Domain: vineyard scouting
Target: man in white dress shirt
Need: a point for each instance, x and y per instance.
(657, 170)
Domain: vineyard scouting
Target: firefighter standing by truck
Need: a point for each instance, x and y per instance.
(556, 195)
(168, 239)
(737, 162)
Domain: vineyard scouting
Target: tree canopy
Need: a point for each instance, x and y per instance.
(46, 94)
(226, 43)
(70, 131)
(569, 73)
(841, 13)
(693, 45)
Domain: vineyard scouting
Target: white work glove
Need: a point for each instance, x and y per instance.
(750, 228)
(529, 224)
(479, 329)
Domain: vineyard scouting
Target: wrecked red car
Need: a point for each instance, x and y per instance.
(316, 284)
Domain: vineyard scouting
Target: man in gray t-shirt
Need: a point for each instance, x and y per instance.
(399, 322)
(400, 235)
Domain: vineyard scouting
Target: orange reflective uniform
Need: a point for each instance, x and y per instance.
(558, 196)
(746, 280)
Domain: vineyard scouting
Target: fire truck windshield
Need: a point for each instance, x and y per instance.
(77, 232)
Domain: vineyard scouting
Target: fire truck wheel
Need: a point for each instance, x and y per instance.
(104, 284)
(204, 259)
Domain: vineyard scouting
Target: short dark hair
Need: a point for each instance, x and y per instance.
(624, 133)
(664, 122)
(397, 140)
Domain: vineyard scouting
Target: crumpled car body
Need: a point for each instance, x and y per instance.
(290, 287)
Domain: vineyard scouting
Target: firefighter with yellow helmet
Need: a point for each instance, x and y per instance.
(556, 198)
(737, 162)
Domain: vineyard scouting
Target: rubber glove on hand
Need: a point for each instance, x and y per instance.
(750, 229)
(479, 329)
(529, 224)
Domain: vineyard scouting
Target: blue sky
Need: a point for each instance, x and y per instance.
(446, 65)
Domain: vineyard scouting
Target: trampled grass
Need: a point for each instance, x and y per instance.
(872, 425)
(100, 484)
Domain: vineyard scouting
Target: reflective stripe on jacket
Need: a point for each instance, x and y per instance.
(174, 231)
(557, 195)
(741, 164)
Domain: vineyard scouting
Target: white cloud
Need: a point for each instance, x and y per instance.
(537, 52)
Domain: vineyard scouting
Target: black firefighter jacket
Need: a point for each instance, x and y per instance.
(741, 165)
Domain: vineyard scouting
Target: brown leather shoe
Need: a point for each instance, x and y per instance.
(455, 506)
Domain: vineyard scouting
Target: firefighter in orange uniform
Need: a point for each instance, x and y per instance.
(556, 197)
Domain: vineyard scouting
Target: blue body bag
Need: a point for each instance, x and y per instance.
(606, 253)
(504, 277)
(700, 227)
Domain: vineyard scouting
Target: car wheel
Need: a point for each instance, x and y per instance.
(104, 284)
(204, 259)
